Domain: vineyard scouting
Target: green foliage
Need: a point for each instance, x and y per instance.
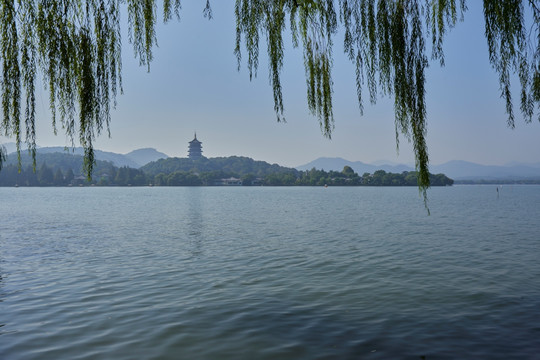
(45, 175)
(181, 178)
(316, 177)
(125, 176)
(510, 51)
(347, 171)
(76, 48)
(236, 165)
(59, 169)
(208, 172)
(3, 156)
(63, 161)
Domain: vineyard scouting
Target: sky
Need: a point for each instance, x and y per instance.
(194, 86)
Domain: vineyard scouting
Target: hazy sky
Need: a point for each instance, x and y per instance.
(194, 85)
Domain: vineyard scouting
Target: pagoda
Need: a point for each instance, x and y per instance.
(195, 149)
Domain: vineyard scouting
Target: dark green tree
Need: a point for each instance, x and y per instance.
(348, 171)
(248, 179)
(160, 179)
(69, 176)
(58, 177)
(122, 176)
(10, 176)
(45, 175)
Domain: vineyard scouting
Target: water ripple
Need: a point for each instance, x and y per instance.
(269, 273)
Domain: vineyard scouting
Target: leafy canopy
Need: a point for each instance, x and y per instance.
(75, 46)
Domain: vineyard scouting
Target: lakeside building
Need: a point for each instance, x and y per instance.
(232, 181)
(195, 149)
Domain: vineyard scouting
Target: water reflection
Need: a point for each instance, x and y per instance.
(195, 220)
(1, 294)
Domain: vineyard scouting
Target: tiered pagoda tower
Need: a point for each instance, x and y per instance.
(195, 149)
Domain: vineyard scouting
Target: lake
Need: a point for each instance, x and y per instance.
(269, 273)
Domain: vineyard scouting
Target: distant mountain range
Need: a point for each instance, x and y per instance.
(457, 169)
(464, 170)
(337, 164)
(134, 159)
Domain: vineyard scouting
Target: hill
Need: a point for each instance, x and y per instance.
(117, 159)
(64, 169)
(56, 160)
(12, 147)
(144, 156)
(134, 159)
(237, 165)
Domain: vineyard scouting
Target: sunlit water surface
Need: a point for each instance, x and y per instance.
(269, 273)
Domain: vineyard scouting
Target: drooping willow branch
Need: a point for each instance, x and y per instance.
(387, 41)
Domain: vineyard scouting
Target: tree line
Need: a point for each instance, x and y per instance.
(45, 175)
(347, 177)
(106, 174)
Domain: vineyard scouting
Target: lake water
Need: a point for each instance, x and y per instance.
(269, 273)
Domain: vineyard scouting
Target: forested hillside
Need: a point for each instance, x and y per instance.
(238, 165)
(64, 169)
